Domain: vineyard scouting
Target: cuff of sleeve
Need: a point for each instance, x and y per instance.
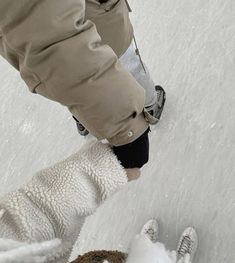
(131, 131)
(103, 167)
(135, 154)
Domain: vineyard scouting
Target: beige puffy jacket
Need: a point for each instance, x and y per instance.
(60, 55)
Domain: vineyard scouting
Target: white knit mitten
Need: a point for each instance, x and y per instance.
(12, 251)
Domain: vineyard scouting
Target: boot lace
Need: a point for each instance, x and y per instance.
(151, 233)
(186, 246)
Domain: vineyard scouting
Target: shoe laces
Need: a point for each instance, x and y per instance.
(186, 246)
(150, 232)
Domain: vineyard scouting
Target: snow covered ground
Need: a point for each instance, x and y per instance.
(188, 46)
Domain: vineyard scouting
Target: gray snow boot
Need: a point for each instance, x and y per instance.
(187, 246)
(81, 129)
(156, 109)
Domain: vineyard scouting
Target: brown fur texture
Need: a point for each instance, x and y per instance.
(100, 256)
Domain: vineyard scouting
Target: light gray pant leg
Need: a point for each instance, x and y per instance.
(131, 61)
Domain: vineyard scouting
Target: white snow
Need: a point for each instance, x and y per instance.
(189, 47)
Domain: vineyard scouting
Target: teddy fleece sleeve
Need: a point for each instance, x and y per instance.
(60, 56)
(56, 201)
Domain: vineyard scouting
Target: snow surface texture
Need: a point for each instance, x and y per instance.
(188, 46)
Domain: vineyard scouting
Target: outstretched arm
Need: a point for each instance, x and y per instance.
(60, 56)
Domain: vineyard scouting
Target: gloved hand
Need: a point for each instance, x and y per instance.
(135, 154)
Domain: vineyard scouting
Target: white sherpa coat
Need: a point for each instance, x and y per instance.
(142, 250)
(55, 203)
(40, 222)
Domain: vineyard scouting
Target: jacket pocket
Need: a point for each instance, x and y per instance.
(109, 5)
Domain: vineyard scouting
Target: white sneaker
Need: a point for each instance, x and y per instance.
(187, 245)
(150, 229)
(156, 109)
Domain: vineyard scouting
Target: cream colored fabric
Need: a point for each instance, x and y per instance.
(12, 251)
(61, 56)
(55, 203)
